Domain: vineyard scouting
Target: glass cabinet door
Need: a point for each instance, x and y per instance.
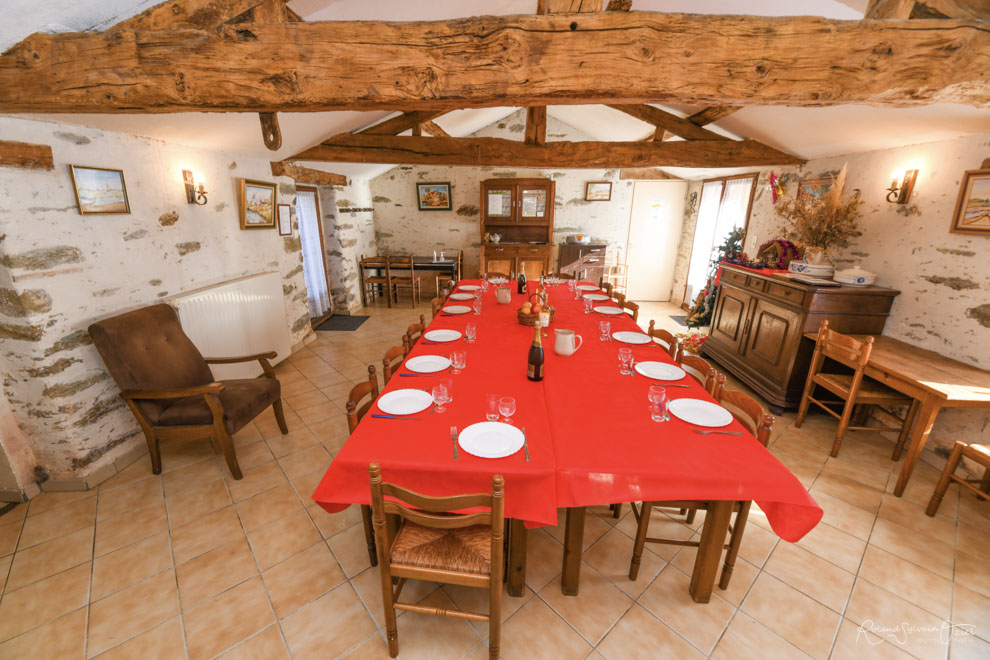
(532, 203)
(498, 203)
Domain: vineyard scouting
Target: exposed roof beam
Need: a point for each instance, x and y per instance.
(433, 129)
(712, 114)
(665, 121)
(189, 14)
(396, 150)
(403, 122)
(307, 174)
(970, 9)
(271, 133)
(536, 125)
(610, 57)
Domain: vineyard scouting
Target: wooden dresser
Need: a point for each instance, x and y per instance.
(759, 321)
(589, 257)
(521, 212)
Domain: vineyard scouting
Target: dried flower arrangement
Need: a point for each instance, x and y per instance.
(823, 222)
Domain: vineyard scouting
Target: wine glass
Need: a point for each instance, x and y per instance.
(440, 397)
(507, 406)
(625, 361)
(458, 359)
(606, 329)
(658, 403)
(470, 332)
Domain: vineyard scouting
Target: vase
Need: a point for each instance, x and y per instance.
(815, 255)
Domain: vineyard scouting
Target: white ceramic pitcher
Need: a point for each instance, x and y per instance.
(566, 342)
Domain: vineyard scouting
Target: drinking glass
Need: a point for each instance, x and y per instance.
(477, 305)
(507, 406)
(588, 306)
(606, 329)
(572, 285)
(484, 283)
(491, 407)
(470, 333)
(625, 361)
(459, 360)
(448, 384)
(440, 397)
(658, 403)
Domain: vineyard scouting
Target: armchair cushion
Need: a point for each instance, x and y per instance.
(242, 400)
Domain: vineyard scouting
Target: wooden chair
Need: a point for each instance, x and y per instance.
(445, 278)
(974, 452)
(436, 304)
(416, 330)
(759, 422)
(168, 386)
(606, 287)
(393, 358)
(412, 282)
(491, 276)
(621, 301)
(357, 408)
(438, 546)
(700, 369)
(374, 284)
(565, 276)
(851, 389)
(672, 343)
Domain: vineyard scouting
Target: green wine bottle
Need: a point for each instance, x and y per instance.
(535, 368)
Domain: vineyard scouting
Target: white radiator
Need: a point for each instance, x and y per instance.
(245, 316)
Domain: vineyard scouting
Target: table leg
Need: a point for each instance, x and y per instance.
(710, 551)
(573, 542)
(919, 435)
(516, 573)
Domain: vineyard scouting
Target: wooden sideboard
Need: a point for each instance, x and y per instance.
(759, 322)
(521, 212)
(588, 259)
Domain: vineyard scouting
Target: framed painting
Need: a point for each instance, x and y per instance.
(597, 191)
(99, 190)
(434, 196)
(814, 187)
(972, 214)
(258, 204)
(284, 220)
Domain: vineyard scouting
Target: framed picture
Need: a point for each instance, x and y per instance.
(434, 196)
(284, 220)
(972, 214)
(814, 187)
(598, 191)
(99, 190)
(258, 204)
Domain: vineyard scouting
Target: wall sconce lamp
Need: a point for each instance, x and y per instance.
(901, 186)
(195, 192)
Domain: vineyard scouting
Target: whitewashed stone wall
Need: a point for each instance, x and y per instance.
(349, 233)
(61, 271)
(944, 278)
(401, 228)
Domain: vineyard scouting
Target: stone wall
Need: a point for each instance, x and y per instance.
(400, 228)
(349, 233)
(944, 278)
(60, 271)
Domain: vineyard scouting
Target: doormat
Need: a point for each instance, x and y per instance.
(680, 320)
(342, 323)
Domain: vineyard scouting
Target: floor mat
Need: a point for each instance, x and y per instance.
(342, 323)
(680, 320)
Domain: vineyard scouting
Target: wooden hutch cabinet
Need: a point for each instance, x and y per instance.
(521, 212)
(759, 322)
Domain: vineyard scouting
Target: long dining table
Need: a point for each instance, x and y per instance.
(590, 436)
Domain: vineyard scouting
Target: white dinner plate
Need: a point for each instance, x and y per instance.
(587, 287)
(469, 287)
(491, 440)
(427, 364)
(659, 370)
(405, 402)
(442, 335)
(457, 309)
(702, 413)
(627, 337)
(595, 296)
(602, 309)
(461, 296)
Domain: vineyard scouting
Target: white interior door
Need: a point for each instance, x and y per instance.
(654, 231)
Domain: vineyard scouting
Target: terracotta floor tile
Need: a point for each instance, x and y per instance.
(871, 473)
(844, 516)
(351, 550)
(191, 476)
(465, 598)
(194, 539)
(906, 543)
(49, 501)
(266, 645)
(639, 635)
(743, 574)
(163, 641)
(272, 505)
(374, 648)
(544, 559)
(757, 544)
(968, 647)
(51, 557)
(190, 505)
(661, 526)
(906, 514)
(848, 490)
(611, 556)
(60, 639)
(535, 631)
(9, 534)
(748, 638)
(127, 498)
(329, 626)
(247, 435)
(797, 618)
(970, 608)
(122, 568)
(215, 571)
(252, 455)
(834, 545)
(297, 439)
(594, 529)
(306, 484)
(909, 581)
(973, 572)
(319, 412)
(811, 575)
(700, 623)
(368, 586)
(35, 604)
(130, 527)
(57, 521)
(127, 613)
(855, 641)
(136, 471)
(313, 458)
(284, 538)
(592, 615)
(305, 400)
(256, 480)
(210, 629)
(973, 540)
(177, 454)
(302, 578)
(330, 524)
(885, 614)
(974, 511)
(4, 570)
(425, 636)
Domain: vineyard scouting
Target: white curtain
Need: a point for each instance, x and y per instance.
(723, 208)
(312, 253)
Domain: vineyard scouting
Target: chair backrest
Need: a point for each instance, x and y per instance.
(374, 263)
(668, 338)
(403, 263)
(415, 331)
(565, 276)
(436, 304)
(700, 369)
(606, 287)
(842, 348)
(492, 275)
(460, 263)
(356, 410)
(147, 350)
(746, 410)
(393, 358)
(631, 306)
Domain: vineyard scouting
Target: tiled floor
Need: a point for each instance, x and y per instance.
(194, 564)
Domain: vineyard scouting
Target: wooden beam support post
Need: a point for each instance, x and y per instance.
(26, 156)
(404, 122)
(270, 131)
(536, 125)
(433, 129)
(307, 174)
(712, 114)
(664, 121)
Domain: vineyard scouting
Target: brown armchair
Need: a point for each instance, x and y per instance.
(168, 385)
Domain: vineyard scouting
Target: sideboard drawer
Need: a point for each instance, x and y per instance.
(785, 293)
(734, 277)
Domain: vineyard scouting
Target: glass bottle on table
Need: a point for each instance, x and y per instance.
(534, 367)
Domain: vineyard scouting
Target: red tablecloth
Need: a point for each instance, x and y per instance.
(590, 435)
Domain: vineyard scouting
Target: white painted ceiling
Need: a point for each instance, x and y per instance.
(807, 132)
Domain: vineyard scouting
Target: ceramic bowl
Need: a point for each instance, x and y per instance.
(855, 277)
(812, 270)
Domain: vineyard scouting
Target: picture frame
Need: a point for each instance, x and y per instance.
(433, 196)
(598, 191)
(815, 187)
(99, 190)
(258, 200)
(972, 212)
(284, 220)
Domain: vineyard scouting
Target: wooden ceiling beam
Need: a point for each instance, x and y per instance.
(712, 114)
(309, 175)
(905, 9)
(609, 57)
(536, 125)
(188, 15)
(400, 150)
(26, 156)
(433, 129)
(404, 122)
(665, 121)
(271, 132)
